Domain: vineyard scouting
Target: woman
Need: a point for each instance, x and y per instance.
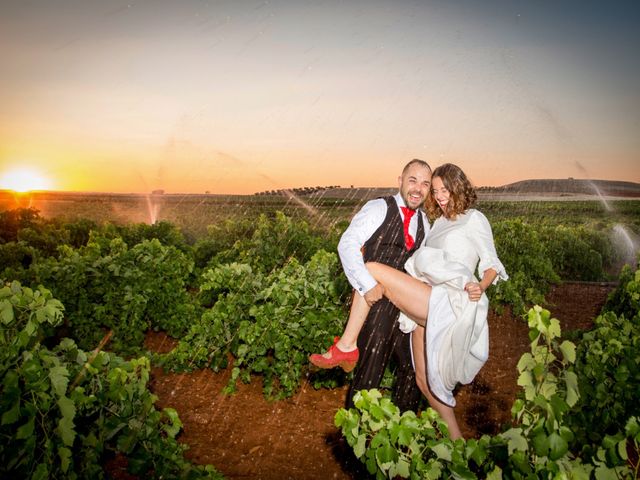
(441, 292)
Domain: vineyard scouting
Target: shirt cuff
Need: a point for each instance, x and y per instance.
(366, 284)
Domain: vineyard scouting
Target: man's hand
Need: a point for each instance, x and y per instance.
(373, 295)
(474, 290)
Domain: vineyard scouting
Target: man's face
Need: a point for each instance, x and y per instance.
(415, 184)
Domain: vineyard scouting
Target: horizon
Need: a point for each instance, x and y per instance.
(291, 189)
(242, 97)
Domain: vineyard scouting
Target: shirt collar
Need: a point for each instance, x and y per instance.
(399, 200)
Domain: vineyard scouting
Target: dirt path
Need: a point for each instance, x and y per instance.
(247, 437)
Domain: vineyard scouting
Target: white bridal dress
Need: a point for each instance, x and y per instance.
(457, 333)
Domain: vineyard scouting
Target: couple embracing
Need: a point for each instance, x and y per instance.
(417, 297)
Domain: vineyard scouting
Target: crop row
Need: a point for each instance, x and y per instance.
(576, 417)
(261, 293)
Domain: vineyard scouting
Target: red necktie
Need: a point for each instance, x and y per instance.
(408, 239)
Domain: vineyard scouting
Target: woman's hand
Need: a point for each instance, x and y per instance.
(474, 290)
(374, 295)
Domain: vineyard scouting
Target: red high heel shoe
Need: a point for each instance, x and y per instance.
(345, 360)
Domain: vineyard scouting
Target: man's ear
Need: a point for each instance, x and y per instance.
(399, 181)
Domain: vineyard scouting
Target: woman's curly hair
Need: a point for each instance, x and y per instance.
(462, 194)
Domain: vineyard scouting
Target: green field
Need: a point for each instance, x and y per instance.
(253, 283)
(193, 213)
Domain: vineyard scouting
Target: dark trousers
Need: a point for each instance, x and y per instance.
(379, 341)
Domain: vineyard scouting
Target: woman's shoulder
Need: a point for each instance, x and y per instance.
(471, 214)
(475, 218)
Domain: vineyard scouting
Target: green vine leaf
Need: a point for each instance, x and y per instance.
(558, 446)
(65, 458)
(41, 472)
(568, 350)
(442, 451)
(401, 469)
(59, 377)
(495, 474)
(515, 440)
(360, 446)
(6, 312)
(12, 415)
(571, 383)
(65, 425)
(26, 430)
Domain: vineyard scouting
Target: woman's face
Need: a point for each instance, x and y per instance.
(440, 193)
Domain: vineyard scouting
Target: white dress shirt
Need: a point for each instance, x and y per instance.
(362, 227)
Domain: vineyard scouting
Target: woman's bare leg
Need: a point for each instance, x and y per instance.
(407, 293)
(445, 411)
(411, 296)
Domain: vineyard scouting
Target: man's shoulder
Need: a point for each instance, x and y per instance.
(385, 199)
(379, 203)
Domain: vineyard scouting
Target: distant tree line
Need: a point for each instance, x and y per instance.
(297, 191)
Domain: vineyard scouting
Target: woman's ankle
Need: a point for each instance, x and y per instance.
(346, 346)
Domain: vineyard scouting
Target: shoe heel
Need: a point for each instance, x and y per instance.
(347, 366)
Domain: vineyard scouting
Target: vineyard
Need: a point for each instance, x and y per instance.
(249, 298)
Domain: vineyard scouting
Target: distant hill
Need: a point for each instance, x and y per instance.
(544, 188)
(613, 188)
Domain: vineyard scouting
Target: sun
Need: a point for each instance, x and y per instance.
(24, 180)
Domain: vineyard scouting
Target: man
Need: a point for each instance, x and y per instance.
(385, 230)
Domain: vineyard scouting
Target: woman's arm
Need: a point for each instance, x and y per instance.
(480, 235)
(475, 289)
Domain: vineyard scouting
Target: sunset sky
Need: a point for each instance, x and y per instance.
(244, 96)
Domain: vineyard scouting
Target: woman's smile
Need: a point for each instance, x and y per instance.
(440, 193)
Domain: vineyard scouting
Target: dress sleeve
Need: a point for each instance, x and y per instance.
(482, 238)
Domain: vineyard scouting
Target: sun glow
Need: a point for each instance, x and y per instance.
(24, 180)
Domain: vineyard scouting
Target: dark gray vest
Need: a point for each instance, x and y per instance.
(386, 245)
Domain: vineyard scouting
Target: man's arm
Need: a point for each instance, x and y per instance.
(361, 228)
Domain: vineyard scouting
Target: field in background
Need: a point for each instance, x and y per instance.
(249, 300)
(193, 213)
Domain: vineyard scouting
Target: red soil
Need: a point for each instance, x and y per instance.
(246, 436)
